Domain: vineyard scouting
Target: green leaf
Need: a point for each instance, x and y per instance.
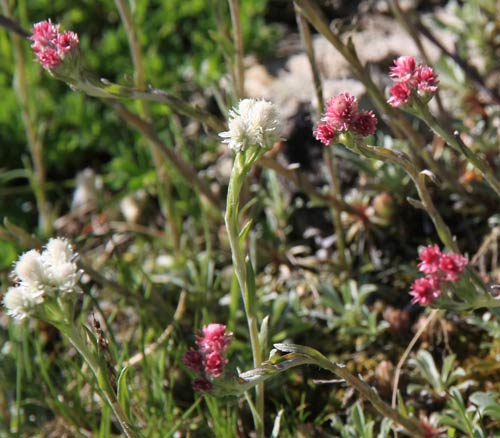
(105, 427)
(123, 392)
(244, 231)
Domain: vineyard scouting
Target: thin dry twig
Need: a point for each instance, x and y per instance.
(151, 348)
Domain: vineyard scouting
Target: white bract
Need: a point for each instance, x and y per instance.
(21, 300)
(60, 268)
(252, 123)
(41, 276)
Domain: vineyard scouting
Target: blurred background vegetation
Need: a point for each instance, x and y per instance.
(363, 319)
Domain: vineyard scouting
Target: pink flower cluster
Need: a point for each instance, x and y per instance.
(409, 78)
(342, 115)
(209, 360)
(50, 45)
(439, 267)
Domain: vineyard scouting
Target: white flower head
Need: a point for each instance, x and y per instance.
(59, 264)
(21, 300)
(253, 123)
(29, 269)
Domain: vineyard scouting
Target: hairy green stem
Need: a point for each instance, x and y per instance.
(101, 374)
(300, 355)
(368, 393)
(238, 176)
(399, 158)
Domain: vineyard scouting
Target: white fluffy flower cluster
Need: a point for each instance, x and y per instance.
(252, 123)
(41, 275)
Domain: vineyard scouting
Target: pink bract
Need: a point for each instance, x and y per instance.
(214, 364)
(50, 46)
(403, 68)
(400, 94)
(202, 385)
(325, 133)
(451, 266)
(341, 111)
(365, 123)
(425, 290)
(214, 338)
(430, 257)
(193, 359)
(425, 79)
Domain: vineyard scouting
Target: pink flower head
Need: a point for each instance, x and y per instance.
(214, 338)
(50, 46)
(193, 359)
(340, 111)
(325, 133)
(410, 78)
(425, 79)
(425, 290)
(44, 34)
(342, 115)
(214, 363)
(403, 68)
(430, 257)
(400, 94)
(209, 360)
(364, 123)
(451, 266)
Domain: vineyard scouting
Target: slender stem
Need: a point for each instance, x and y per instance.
(329, 156)
(164, 188)
(34, 142)
(335, 190)
(100, 373)
(234, 9)
(456, 143)
(236, 181)
(305, 34)
(91, 85)
(401, 362)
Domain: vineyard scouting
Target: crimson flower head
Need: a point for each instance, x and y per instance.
(364, 123)
(50, 45)
(342, 115)
(410, 78)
